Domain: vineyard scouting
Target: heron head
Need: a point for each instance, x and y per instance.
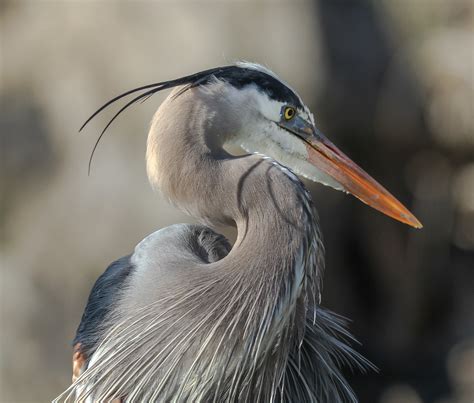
(274, 121)
(258, 111)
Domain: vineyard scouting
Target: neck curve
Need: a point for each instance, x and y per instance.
(278, 235)
(259, 297)
(237, 324)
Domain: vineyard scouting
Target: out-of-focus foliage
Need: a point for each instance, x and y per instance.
(391, 82)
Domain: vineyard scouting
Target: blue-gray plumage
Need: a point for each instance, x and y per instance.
(101, 303)
(205, 243)
(187, 317)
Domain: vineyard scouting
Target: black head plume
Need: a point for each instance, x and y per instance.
(238, 76)
(150, 89)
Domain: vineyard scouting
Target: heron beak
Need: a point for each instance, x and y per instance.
(326, 157)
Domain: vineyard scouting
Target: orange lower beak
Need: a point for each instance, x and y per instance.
(329, 159)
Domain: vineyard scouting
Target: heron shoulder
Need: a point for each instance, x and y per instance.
(175, 240)
(167, 259)
(142, 277)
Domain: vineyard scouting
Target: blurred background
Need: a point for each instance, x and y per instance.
(391, 82)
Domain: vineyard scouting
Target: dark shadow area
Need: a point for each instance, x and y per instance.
(402, 289)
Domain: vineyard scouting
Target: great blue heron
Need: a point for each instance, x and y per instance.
(187, 317)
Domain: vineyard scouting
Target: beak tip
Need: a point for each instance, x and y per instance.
(412, 221)
(418, 225)
(353, 179)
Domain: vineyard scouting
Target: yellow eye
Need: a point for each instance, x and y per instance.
(289, 113)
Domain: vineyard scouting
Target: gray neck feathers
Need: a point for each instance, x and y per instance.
(278, 234)
(255, 299)
(229, 330)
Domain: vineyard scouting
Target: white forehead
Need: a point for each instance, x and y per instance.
(305, 113)
(271, 108)
(252, 97)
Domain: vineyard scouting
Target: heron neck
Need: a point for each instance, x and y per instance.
(278, 242)
(278, 250)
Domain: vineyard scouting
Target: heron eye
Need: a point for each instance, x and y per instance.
(289, 113)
